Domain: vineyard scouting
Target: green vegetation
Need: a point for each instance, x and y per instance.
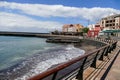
(85, 30)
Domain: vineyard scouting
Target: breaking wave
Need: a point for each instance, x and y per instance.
(41, 62)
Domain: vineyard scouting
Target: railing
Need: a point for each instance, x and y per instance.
(75, 67)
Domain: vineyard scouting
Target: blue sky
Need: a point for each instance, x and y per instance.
(76, 3)
(48, 15)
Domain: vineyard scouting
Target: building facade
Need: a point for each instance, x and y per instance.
(94, 30)
(93, 33)
(110, 22)
(91, 27)
(72, 28)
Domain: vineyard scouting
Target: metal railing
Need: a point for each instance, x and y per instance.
(76, 66)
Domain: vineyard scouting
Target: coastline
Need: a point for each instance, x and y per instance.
(84, 45)
(19, 70)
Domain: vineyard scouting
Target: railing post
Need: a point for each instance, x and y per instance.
(54, 76)
(114, 45)
(107, 50)
(80, 72)
(111, 48)
(95, 60)
(102, 56)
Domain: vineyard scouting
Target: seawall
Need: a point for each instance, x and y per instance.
(24, 34)
(89, 45)
(33, 34)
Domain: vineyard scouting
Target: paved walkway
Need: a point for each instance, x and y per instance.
(114, 73)
(109, 69)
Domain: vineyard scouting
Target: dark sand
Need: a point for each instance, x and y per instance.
(86, 47)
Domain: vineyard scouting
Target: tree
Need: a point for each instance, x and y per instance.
(56, 32)
(85, 30)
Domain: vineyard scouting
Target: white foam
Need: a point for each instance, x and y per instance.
(16, 58)
(63, 55)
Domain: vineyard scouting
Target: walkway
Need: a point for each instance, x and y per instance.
(109, 69)
(114, 73)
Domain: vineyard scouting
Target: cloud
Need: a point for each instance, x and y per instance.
(43, 10)
(11, 21)
(23, 21)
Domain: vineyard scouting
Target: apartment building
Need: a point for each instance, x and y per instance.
(110, 22)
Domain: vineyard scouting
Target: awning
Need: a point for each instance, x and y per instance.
(111, 31)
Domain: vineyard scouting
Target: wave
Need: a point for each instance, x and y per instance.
(42, 61)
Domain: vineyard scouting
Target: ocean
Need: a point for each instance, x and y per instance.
(23, 57)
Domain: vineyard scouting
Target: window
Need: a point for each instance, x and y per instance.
(102, 22)
(106, 21)
(116, 24)
(110, 24)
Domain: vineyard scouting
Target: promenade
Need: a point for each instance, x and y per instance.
(114, 73)
(109, 69)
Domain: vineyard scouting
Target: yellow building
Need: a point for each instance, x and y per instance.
(72, 28)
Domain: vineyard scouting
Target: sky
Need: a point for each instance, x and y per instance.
(49, 15)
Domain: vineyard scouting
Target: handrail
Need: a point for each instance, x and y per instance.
(65, 64)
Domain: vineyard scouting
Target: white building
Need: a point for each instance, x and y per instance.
(110, 22)
(91, 27)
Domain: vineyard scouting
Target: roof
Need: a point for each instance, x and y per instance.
(116, 15)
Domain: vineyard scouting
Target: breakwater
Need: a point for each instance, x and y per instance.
(25, 34)
(33, 34)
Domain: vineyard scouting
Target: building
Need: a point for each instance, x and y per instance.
(110, 22)
(95, 27)
(72, 28)
(93, 33)
(91, 27)
(105, 25)
(94, 30)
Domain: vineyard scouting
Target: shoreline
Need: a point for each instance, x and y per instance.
(86, 48)
(13, 72)
(83, 45)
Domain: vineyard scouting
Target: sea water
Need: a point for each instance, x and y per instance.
(23, 57)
